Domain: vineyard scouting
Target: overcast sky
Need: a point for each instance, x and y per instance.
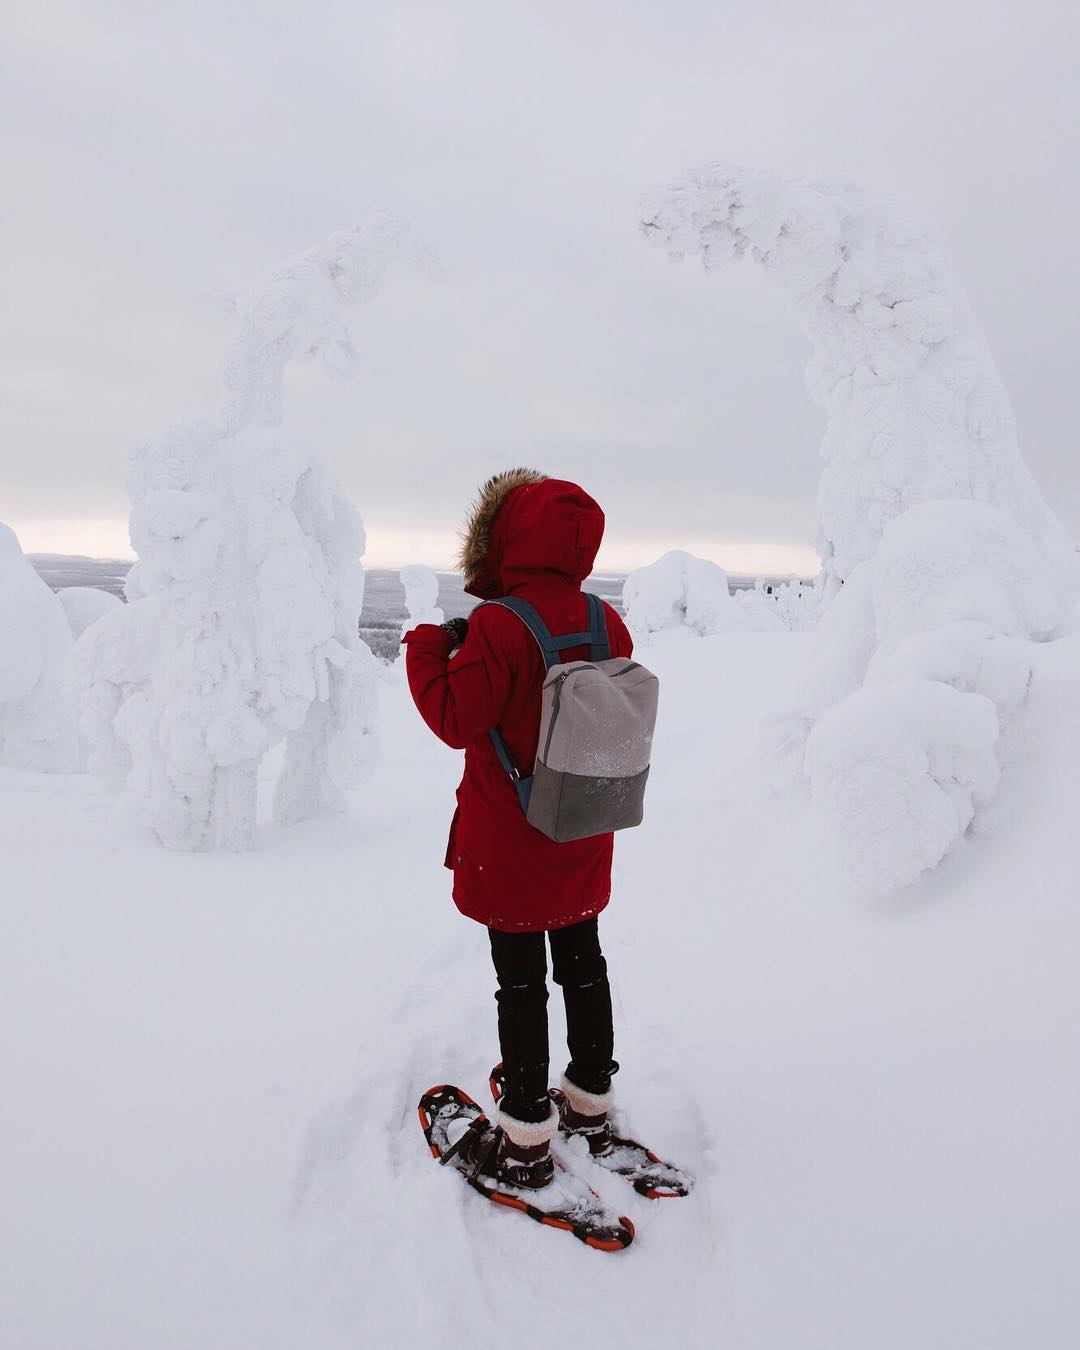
(153, 152)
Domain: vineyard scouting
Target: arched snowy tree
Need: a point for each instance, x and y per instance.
(916, 409)
(243, 622)
(953, 568)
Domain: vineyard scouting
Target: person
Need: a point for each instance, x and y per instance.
(535, 537)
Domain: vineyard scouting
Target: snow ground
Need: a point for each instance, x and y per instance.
(208, 1137)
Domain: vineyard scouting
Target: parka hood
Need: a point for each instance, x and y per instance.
(524, 524)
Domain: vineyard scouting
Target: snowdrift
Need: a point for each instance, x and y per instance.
(215, 1062)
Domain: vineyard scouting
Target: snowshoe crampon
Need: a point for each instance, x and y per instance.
(459, 1136)
(649, 1175)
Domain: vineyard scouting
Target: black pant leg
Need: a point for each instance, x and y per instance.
(578, 965)
(521, 968)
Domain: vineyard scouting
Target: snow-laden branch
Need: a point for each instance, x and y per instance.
(298, 312)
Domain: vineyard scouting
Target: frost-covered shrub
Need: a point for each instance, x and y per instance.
(84, 605)
(36, 728)
(916, 409)
(677, 596)
(796, 603)
(243, 624)
(421, 595)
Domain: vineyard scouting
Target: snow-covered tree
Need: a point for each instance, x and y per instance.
(36, 727)
(916, 409)
(421, 594)
(242, 626)
(680, 596)
(944, 565)
(677, 596)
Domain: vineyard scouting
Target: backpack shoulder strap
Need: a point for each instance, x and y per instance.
(550, 653)
(549, 646)
(599, 644)
(551, 649)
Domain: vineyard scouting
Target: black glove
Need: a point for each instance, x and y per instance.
(457, 628)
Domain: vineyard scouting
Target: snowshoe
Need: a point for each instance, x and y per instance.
(649, 1175)
(460, 1135)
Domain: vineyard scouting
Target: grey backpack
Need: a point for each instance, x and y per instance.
(596, 728)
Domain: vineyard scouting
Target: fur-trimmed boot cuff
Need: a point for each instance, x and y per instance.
(584, 1103)
(524, 1134)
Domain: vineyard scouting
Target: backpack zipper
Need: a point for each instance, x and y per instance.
(560, 680)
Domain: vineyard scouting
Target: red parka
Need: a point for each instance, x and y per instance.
(536, 538)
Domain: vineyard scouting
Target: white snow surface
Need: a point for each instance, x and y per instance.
(212, 1064)
(36, 727)
(916, 409)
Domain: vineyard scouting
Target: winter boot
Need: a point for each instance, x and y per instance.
(515, 1153)
(584, 1115)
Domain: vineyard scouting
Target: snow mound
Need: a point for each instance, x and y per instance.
(421, 595)
(958, 599)
(916, 409)
(946, 560)
(902, 768)
(36, 729)
(680, 596)
(84, 605)
(242, 626)
(676, 596)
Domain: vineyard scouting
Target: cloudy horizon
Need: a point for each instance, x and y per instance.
(153, 158)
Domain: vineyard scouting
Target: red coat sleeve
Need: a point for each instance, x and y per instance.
(460, 697)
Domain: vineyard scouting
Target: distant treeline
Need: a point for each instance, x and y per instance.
(383, 616)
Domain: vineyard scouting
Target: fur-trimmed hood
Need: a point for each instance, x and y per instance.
(524, 523)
